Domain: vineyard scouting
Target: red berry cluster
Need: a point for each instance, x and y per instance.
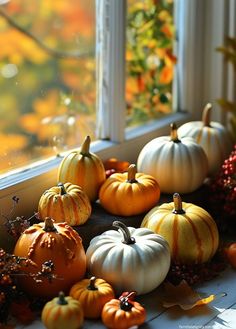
(223, 188)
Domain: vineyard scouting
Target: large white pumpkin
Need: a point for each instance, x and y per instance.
(177, 164)
(129, 259)
(212, 136)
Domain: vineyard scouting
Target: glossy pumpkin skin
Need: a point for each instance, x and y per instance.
(65, 203)
(230, 252)
(93, 294)
(129, 259)
(177, 165)
(129, 193)
(189, 229)
(62, 312)
(212, 136)
(123, 314)
(59, 243)
(83, 168)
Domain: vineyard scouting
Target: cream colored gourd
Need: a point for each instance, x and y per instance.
(83, 168)
(190, 230)
(212, 136)
(129, 259)
(177, 164)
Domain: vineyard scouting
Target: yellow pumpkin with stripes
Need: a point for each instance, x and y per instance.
(190, 230)
(83, 168)
(62, 312)
(65, 203)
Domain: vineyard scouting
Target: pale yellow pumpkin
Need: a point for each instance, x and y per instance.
(129, 193)
(177, 164)
(65, 203)
(190, 230)
(62, 312)
(212, 136)
(83, 168)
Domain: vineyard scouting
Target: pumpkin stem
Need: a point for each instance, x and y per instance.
(178, 204)
(173, 133)
(125, 303)
(48, 225)
(132, 171)
(206, 115)
(85, 146)
(63, 190)
(128, 239)
(91, 285)
(61, 299)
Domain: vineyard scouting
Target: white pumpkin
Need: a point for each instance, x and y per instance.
(212, 136)
(129, 259)
(177, 165)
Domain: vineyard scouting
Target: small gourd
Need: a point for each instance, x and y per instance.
(84, 168)
(93, 294)
(190, 230)
(177, 164)
(123, 313)
(62, 312)
(129, 193)
(129, 259)
(214, 138)
(55, 242)
(65, 203)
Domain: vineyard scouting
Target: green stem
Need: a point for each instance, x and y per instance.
(61, 299)
(63, 190)
(128, 239)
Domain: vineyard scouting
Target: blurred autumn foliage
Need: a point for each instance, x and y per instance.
(150, 59)
(47, 73)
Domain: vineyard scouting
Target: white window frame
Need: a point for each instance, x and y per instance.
(199, 71)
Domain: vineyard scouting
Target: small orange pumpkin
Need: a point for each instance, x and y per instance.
(129, 193)
(230, 252)
(93, 294)
(123, 313)
(62, 312)
(83, 168)
(65, 203)
(59, 243)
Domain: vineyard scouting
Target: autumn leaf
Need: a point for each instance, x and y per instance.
(185, 297)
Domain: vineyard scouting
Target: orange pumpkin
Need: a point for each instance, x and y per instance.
(123, 313)
(129, 193)
(230, 252)
(83, 168)
(93, 294)
(58, 243)
(190, 230)
(62, 312)
(65, 203)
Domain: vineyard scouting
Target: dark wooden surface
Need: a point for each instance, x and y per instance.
(101, 221)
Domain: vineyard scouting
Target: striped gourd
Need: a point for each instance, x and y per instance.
(65, 203)
(189, 229)
(212, 136)
(83, 168)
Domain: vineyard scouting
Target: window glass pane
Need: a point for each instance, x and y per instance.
(149, 60)
(47, 78)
